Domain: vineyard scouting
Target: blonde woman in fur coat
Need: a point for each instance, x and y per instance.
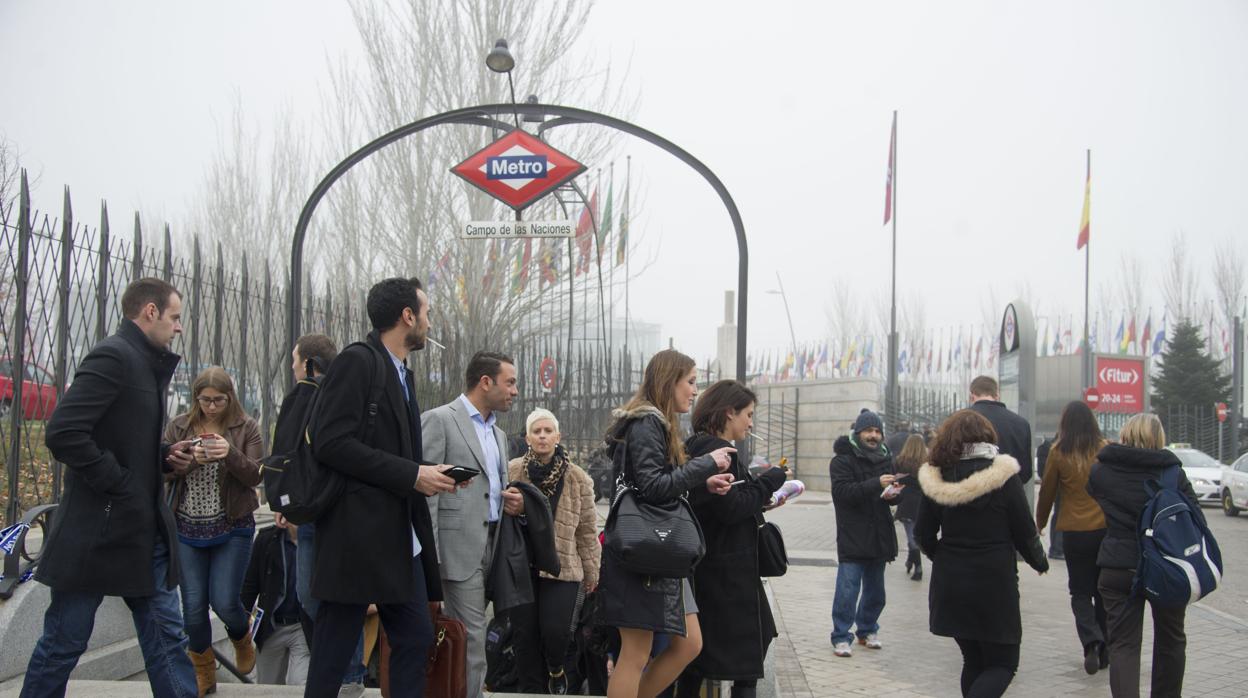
(546, 625)
(972, 519)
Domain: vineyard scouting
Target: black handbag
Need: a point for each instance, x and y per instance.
(773, 560)
(659, 540)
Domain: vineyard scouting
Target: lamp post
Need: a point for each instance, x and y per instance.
(785, 298)
(500, 60)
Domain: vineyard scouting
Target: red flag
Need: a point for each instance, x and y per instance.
(584, 234)
(888, 184)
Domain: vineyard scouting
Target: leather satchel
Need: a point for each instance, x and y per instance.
(659, 540)
(447, 673)
(773, 560)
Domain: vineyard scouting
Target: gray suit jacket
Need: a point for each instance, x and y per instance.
(450, 437)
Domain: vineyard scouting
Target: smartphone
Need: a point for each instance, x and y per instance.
(461, 473)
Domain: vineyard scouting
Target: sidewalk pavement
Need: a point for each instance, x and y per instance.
(916, 663)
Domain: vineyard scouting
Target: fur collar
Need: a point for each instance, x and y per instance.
(965, 491)
(643, 410)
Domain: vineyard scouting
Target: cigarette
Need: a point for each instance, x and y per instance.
(435, 342)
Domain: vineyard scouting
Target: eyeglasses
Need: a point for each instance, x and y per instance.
(213, 401)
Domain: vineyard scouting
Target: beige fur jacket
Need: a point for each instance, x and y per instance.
(576, 525)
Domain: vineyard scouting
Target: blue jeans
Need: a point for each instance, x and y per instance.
(848, 609)
(67, 627)
(214, 577)
(305, 556)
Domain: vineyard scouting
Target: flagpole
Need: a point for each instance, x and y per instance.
(1087, 284)
(628, 257)
(891, 406)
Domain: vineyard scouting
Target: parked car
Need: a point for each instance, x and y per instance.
(38, 391)
(1235, 486)
(1204, 472)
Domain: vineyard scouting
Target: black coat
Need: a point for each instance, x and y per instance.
(736, 621)
(1013, 434)
(1116, 483)
(520, 548)
(637, 444)
(106, 431)
(364, 542)
(864, 521)
(980, 512)
(265, 579)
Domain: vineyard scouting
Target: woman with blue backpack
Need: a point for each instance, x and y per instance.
(1124, 481)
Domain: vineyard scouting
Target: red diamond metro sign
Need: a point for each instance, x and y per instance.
(518, 169)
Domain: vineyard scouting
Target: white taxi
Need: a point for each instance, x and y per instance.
(1235, 486)
(1202, 471)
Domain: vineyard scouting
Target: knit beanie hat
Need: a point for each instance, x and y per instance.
(867, 419)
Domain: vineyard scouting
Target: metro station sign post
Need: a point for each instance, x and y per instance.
(518, 169)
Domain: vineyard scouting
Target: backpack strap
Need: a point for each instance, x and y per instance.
(1170, 477)
(376, 388)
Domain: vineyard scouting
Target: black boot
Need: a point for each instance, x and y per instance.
(918, 568)
(912, 559)
(1092, 657)
(744, 691)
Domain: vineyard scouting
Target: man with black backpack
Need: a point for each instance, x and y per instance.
(374, 544)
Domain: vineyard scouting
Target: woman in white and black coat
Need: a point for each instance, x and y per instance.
(645, 446)
(737, 625)
(973, 517)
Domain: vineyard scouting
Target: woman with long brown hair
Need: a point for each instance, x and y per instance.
(913, 454)
(213, 501)
(736, 619)
(648, 454)
(972, 519)
(1081, 522)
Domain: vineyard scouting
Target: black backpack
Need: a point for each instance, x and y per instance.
(297, 485)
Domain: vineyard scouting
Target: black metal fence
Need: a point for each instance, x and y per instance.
(1198, 425)
(60, 286)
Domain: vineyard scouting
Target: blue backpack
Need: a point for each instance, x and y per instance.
(1179, 559)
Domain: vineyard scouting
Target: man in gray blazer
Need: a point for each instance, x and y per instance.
(463, 432)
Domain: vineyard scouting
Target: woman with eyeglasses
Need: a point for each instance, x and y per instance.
(212, 500)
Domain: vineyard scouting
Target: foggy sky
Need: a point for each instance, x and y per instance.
(789, 102)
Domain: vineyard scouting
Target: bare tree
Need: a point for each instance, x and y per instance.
(1229, 278)
(1180, 287)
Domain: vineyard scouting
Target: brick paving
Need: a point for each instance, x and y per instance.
(917, 663)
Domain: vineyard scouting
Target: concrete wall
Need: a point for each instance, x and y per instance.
(825, 410)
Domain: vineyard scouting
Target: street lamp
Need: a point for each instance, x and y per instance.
(500, 60)
(785, 298)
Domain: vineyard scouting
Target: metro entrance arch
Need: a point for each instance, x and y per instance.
(485, 116)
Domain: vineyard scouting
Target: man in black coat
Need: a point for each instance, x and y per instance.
(375, 545)
(1013, 432)
(862, 488)
(113, 534)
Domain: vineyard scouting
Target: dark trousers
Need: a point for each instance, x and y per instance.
(545, 631)
(1126, 630)
(1085, 600)
(689, 685)
(409, 630)
(987, 667)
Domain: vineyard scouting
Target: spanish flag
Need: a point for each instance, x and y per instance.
(1084, 223)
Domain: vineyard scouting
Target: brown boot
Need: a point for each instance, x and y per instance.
(205, 671)
(244, 654)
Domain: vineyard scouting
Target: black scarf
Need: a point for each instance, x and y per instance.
(547, 476)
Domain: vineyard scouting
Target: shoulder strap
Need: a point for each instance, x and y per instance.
(1170, 477)
(376, 387)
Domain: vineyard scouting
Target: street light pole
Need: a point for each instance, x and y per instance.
(785, 298)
